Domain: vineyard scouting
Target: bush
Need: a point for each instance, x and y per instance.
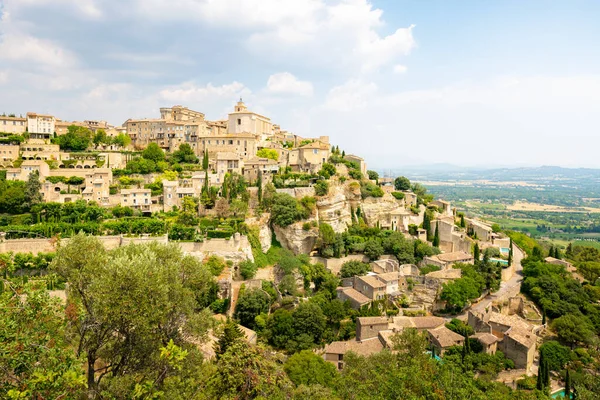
(215, 264)
(373, 249)
(368, 189)
(306, 226)
(219, 234)
(286, 210)
(247, 269)
(327, 171)
(322, 188)
(398, 195)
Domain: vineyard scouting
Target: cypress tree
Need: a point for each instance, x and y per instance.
(510, 257)
(557, 253)
(343, 153)
(436, 237)
(205, 160)
(463, 224)
(568, 384)
(546, 374)
(358, 212)
(540, 376)
(231, 334)
(427, 225)
(433, 352)
(551, 252)
(476, 252)
(543, 317)
(259, 184)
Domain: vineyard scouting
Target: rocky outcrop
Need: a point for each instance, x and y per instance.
(378, 209)
(295, 238)
(265, 235)
(335, 210)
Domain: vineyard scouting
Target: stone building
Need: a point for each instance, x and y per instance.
(447, 260)
(243, 121)
(13, 125)
(138, 199)
(8, 154)
(40, 124)
(443, 338)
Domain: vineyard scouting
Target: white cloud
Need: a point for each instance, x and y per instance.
(286, 83)
(87, 8)
(350, 96)
(400, 69)
(190, 92)
(25, 48)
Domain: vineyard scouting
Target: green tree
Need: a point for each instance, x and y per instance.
(327, 170)
(286, 210)
(125, 304)
(33, 195)
(373, 175)
(100, 137)
(307, 368)
(567, 384)
(205, 160)
(280, 328)
(321, 188)
(427, 224)
(259, 184)
(185, 154)
(153, 153)
(310, 320)
(436, 236)
(271, 154)
(122, 140)
(463, 224)
(354, 268)
(77, 138)
(401, 183)
(35, 358)
(373, 249)
(476, 252)
(250, 304)
(231, 334)
(572, 329)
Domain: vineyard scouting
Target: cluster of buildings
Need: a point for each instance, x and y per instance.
(507, 332)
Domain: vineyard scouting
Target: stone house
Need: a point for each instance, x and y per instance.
(369, 327)
(140, 199)
(394, 282)
(267, 166)
(13, 125)
(357, 299)
(309, 158)
(362, 165)
(488, 341)
(443, 338)
(516, 337)
(335, 351)
(371, 287)
(227, 163)
(444, 207)
(8, 153)
(483, 231)
(447, 260)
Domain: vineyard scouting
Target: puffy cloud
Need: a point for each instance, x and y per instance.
(400, 69)
(350, 96)
(191, 92)
(24, 48)
(286, 83)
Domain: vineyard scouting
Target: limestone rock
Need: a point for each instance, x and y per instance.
(265, 236)
(335, 210)
(296, 239)
(378, 209)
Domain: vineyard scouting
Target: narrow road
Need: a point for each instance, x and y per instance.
(510, 288)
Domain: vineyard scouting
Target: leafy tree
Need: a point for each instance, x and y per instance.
(556, 355)
(373, 175)
(125, 304)
(353, 268)
(215, 265)
(286, 210)
(327, 170)
(185, 154)
(248, 372)
(35, 358)
(280, 328)
(77, 138)
(250, 304)
(476, 252)
(310, 320)
(271, 154)
(153, 153)
(33, 195)
(572, 329)
(373, 249)
(427, 224)
(247, 269)
(231, 334)
(322, 188)
(122, 140)
(307, 368)
(101, 137)
(401, 183)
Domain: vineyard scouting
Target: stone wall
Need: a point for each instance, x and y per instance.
(235, 249)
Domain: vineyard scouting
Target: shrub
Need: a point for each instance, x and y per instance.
(398, 195)
(306, 226)
(215, 264)
(373, 249)
(353, 268)
(322, 188)
(368, 189)
(247, 269)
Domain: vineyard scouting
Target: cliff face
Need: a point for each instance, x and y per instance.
(335, 210)
(295, 238)
(264, 230)
(376, 209)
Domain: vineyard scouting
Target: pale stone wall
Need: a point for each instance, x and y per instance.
(335, 264)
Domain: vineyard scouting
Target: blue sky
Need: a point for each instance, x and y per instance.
(475, 83)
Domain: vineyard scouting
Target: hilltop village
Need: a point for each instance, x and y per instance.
(308, 250)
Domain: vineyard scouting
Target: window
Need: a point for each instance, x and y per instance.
(315, 151)
(239, 121)
(231, 142)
